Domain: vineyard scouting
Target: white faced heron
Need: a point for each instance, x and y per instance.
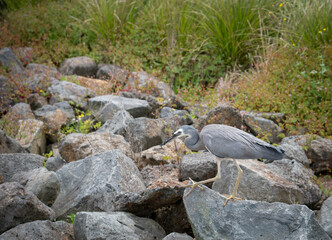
(226, 142)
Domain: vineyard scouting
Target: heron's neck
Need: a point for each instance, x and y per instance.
(194, 142)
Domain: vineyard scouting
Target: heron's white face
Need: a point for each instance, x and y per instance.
(181, 133)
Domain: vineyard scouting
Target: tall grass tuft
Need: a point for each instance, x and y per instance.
(109, 19)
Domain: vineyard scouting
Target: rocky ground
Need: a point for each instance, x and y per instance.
(118, 183)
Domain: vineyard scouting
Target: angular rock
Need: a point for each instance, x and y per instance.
(275, 117)
(9, 145)
(34, 68)
(31, 136)
(54, 118)
(210, 219)
(263, 127)
(20, 111)
(170, 112)
(112, 73)
(71, 92)
(115, 225)
(325, 216)
(93, 183)
(161, 201)
(68, 110)
(198, 166)
(10, 61)
(320, 153)
(170, 153)
(77, 146)
(12, 163)
(281, 181)
(17, 206)
(147, 83)
(118, 124)
(106, 106)
(40, 230)
(82, 66)
(54, 163)
(222, 114)
(36, 101)
(41, 182)
(177, 236)
(294, 150)
(144, 133)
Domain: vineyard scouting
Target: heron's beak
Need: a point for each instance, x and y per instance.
(174, 136)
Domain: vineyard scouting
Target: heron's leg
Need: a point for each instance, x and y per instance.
(196, 184)
(239, 175)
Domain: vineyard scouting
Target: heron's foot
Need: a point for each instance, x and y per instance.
(193, 185)
(231, 197)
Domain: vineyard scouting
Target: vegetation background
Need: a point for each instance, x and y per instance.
(274, 56)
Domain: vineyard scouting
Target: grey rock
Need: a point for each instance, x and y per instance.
(262, 126)
(71, 92)
(31, 136)
(170, 153)
(39, 81)
(21, 111)
(10, 61)
(24, 54)
(144, 133)
(54, 118)
(115, 225)
(210, 219)
(112, 73)
(54, 163)
(170, 112)
(81, 66)
(106, 106)
(17, 206)
(325, 216)
(77, 146)
(9, 145)
(198, 166)
(12, 163)
(68, 110)
(92, 184)
(36, 101)
(145, 82)
(281, 181)
(40, 230)
(294, 150)
(118, 124)
(275, 117)
(320, 153)
(34, 68)
(6, 87)
(177, 236)
(222, 114)
(43, 183)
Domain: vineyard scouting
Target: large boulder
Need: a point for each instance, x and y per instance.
(106, 106)
(93, 183)
(115, 225)
(294, 150)
(17, 206)
(77, 146)
(210, 219)
(263, 127)
(54, 118)
(223, 114)
(82, 66)
(43, 183)
(12, 163)
(9, 145)
(141, 81)
(31, 136)
(112, 73)
(71, 92)
(281, 181)
(40, 230)
(320, 153)
(325, 216)
(10, 61)
(118, 124)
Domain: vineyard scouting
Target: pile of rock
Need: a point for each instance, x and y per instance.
(118, 181)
